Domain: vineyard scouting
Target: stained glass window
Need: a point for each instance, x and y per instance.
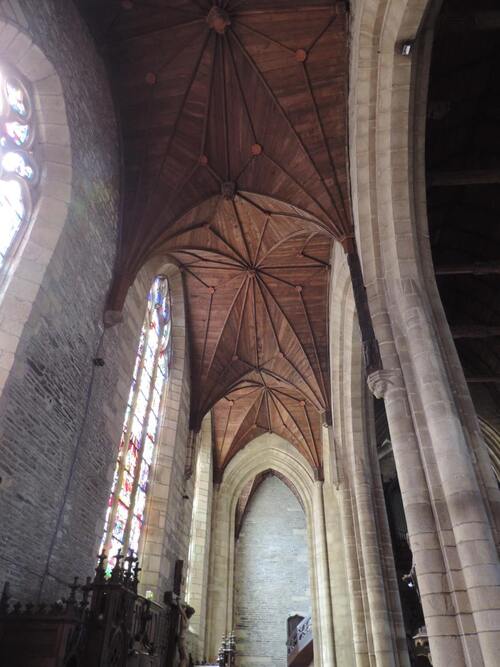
(127, 501)
(18, 170)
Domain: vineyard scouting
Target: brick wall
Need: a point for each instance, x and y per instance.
(271, 574)
(58, 413)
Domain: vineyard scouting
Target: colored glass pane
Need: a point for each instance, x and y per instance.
(16, 98)
(12, 211)
(149, 362)
(160, 378)
(126, 489)
(136, 428)
(141, 407)
(18, 132)
(140, 504)
(135, 533)
(131, 461)
(16, 163)
(120, 522)
(152, 426)
(148, 450)
(144, 475)
(17, 167)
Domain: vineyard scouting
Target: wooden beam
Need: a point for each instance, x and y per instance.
(474, 331)
(484, 379)
(464, 177)
(482, 21)
(475, 269)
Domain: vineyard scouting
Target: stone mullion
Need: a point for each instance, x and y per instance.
(133, 495)
(126, 441)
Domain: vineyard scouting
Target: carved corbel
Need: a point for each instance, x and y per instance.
(381, 382)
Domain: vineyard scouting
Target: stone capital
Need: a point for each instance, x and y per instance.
(112, 317)
(381, 382)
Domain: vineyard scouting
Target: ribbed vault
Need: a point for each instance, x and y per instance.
(234, 135)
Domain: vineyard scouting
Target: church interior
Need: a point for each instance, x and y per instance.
(249, 333)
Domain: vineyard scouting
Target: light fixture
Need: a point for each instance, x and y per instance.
(406, 47)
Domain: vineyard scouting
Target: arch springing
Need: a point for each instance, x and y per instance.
(127, 500)
(18, 168)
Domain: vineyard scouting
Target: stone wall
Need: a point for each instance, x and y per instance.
(61, 415)
(55, 445)
(271, 574)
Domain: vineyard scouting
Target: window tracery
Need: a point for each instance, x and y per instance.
(18, 168)
(127, 500)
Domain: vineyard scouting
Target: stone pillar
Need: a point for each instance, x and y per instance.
(325, 617)
(359, 629)
(376, 612)
(441, 586)
(471, 528)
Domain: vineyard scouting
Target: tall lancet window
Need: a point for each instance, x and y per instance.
(18, 170)
(127, 501)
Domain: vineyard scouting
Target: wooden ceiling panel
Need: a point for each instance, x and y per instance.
(256, 285)
(233, 119)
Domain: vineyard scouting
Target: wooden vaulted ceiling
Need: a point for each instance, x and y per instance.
(233, 118)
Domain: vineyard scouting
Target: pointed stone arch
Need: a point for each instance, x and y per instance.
(268, 451)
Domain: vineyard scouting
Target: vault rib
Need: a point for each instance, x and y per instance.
(242, 94)
(208, 105)
(289, 123)
(325, 143)
(264, 36)
(273, 328)
(276, 303)
(224, 111)
(178, 118)
(315, 345)
(240, 319)
(228, 245)
(226, 320)
(242, 232)
(275, 400)
(207, 326)
(301, 187)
